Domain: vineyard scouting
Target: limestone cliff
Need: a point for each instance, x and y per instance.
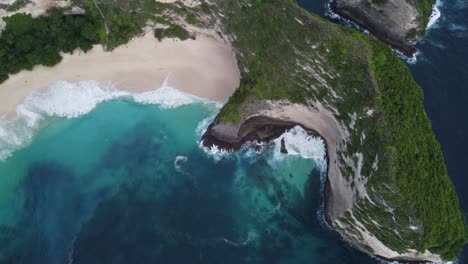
(400, 23)
(388, 192)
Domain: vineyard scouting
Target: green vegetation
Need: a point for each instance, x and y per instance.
(173, 31)
(419, 174)
(17, 5)
(28, 41)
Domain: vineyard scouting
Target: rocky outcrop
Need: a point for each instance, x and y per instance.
(358, 96)
(268, 120)
(397, 22)
(271, 120)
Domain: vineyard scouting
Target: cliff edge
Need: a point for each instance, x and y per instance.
(400, 23)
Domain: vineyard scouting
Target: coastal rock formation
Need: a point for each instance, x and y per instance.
(271, 120)
(387, 191)
(400, 23)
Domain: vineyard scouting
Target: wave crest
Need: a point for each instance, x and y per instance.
(299, 143)
(435, 16)
(71, 100)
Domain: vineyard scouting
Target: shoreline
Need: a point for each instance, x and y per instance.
(204, 67)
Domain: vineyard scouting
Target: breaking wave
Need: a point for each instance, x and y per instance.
(71, 100)
(435, 16)
(300, 143)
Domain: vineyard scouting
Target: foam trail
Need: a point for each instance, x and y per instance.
(410, 60)
(177, 163)
(72, 100)
(168, 97)
(436, 14)
(215, 152)
(204, 124)
(299, 143)
(251, 236)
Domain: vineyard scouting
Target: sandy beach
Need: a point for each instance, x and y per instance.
(204, 67)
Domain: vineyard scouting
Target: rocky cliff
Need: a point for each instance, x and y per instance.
(400, 23)
(388, 192)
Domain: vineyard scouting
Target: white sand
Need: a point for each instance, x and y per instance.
(204, 67)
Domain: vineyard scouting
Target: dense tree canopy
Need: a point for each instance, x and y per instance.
(28, 41)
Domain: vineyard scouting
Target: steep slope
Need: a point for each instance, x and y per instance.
(400, 23)
(388, 191)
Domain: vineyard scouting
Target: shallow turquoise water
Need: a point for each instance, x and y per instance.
(128, 183)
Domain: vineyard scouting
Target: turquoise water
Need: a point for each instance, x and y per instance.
(129, 183)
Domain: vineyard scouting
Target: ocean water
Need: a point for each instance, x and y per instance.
(100, 176)
(92, 175)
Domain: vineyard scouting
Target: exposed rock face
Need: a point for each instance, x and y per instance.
(283, 150)
(271, 120)
(396, 22)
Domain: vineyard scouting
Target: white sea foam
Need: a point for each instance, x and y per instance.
(435, 16)
(251, 236)
(167, 97)
(71, 100)
(299, 143)
(410, 60)
(215, 152)
(204, 124)
(177, 163)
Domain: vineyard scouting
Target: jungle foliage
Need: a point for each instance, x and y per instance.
(28, 41)
(420, 173)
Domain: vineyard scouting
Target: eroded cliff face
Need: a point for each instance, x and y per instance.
(266, 120)
(269, 119)
(400, 23)
(354, 92)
